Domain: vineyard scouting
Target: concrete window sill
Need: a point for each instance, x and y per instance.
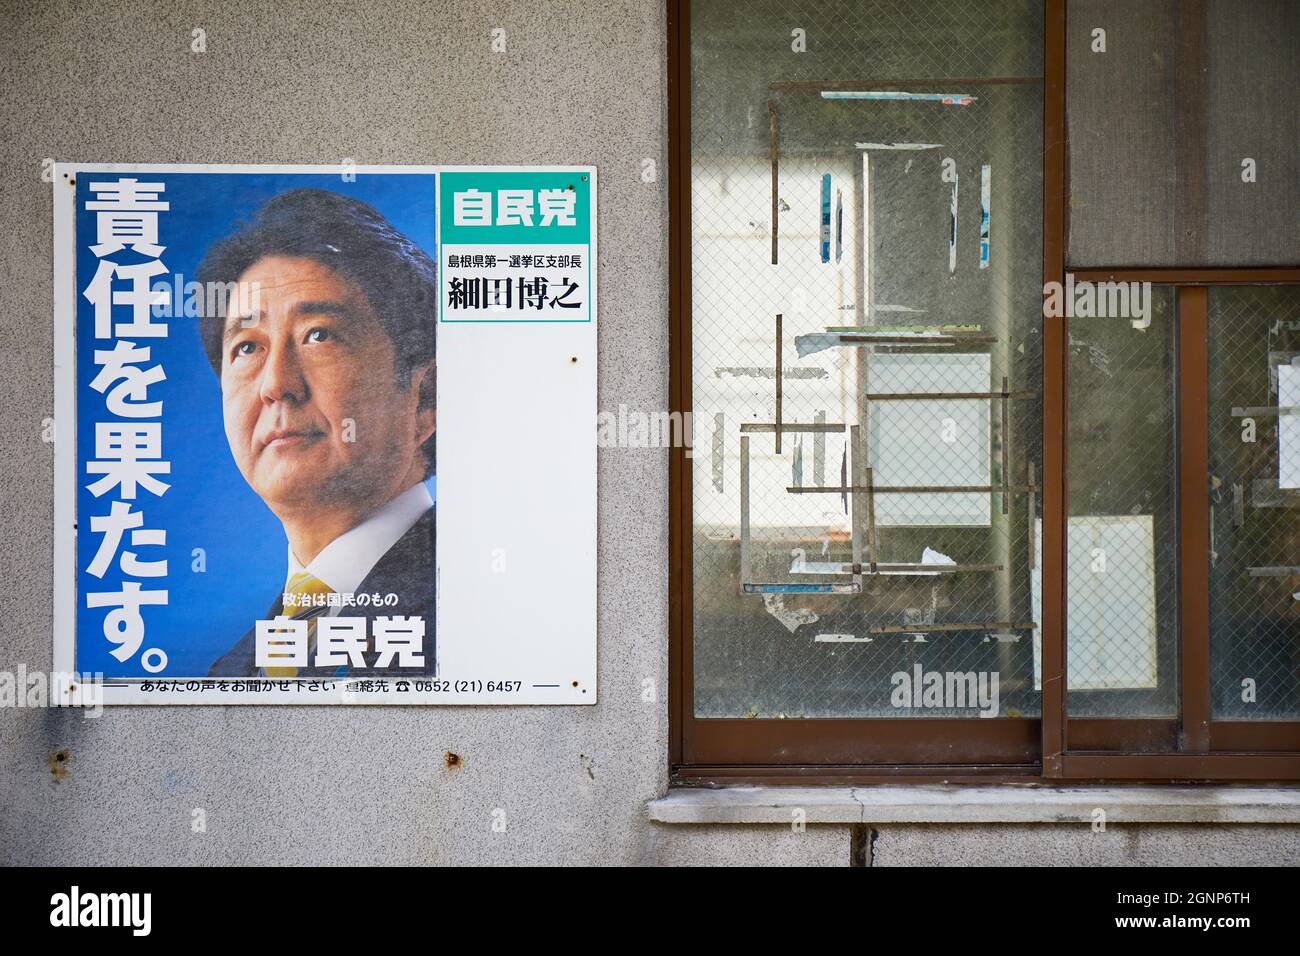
(1001, 804)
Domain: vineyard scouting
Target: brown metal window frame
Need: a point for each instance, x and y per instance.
(871, 750)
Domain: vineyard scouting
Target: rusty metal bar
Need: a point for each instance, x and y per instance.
(871, 522)
(854, 338)
(776, 206)
(787, 427)
(943, 628)
(1265, 411)
(1006, 447)
(855, 459)
(906, 489)
(1033, 502)
(744, 509)
(816, 86)
(947, 396)
(778, 383)
(922, 568)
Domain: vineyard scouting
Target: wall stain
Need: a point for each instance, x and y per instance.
(59, 762)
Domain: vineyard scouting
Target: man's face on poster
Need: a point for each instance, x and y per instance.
(316, 413)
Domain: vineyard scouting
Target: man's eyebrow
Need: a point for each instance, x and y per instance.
(323, 307)
(239, 320)
(327, 307)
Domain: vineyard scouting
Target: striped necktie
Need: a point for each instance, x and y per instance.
(302, 584)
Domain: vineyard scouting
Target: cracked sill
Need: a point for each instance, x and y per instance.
(1005, 803)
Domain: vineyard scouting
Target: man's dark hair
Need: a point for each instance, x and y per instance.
(352, 238)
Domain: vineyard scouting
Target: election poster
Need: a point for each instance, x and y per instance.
(325, 434)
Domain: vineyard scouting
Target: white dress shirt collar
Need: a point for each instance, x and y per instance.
(344, 563)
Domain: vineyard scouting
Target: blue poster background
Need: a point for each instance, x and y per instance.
(208, 505)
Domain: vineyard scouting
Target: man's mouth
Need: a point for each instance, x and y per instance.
(288, 437)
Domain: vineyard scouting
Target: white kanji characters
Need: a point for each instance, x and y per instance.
(112, 526)
(99, 292)
(514, 207)
(124, 626)
(128, 195)
(123, 453)
(117, 230)
(281, 643)
(472, 208)
(558, 206)
(141, 297)
(119, 365)
(127, 215)
(340, 640)
(127, 453)
(400, 637)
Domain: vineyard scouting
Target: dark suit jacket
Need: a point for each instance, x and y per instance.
(407, 569)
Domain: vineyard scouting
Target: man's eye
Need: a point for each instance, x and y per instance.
(245, 348)
(318, 335)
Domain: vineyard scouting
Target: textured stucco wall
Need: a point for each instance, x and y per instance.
(387, 82)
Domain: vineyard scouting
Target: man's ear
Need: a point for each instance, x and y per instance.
(425, 379)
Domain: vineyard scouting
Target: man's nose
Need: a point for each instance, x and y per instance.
(282, 377)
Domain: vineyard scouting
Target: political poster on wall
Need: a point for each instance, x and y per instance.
(325, 434)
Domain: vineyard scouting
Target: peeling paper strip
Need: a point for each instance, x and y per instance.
(719, 421)
(932, 330)
(952, 232)
(815, 342)
(801, 589)
(819, 451)
(753, 371)
(839, 224)
(984, 216)
(928, 556)
(908, 146)
(844, 478)
(1288, 428)
(864, 238)
(947, 99)
(817, 567)
(790, 618)
(841, 639)
(826, 218)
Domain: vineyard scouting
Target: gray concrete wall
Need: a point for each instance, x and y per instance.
(386, 82)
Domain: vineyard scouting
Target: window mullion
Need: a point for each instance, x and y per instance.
(1194, 515)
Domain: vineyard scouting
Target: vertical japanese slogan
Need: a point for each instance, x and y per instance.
(127, 477)
(248, 385)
